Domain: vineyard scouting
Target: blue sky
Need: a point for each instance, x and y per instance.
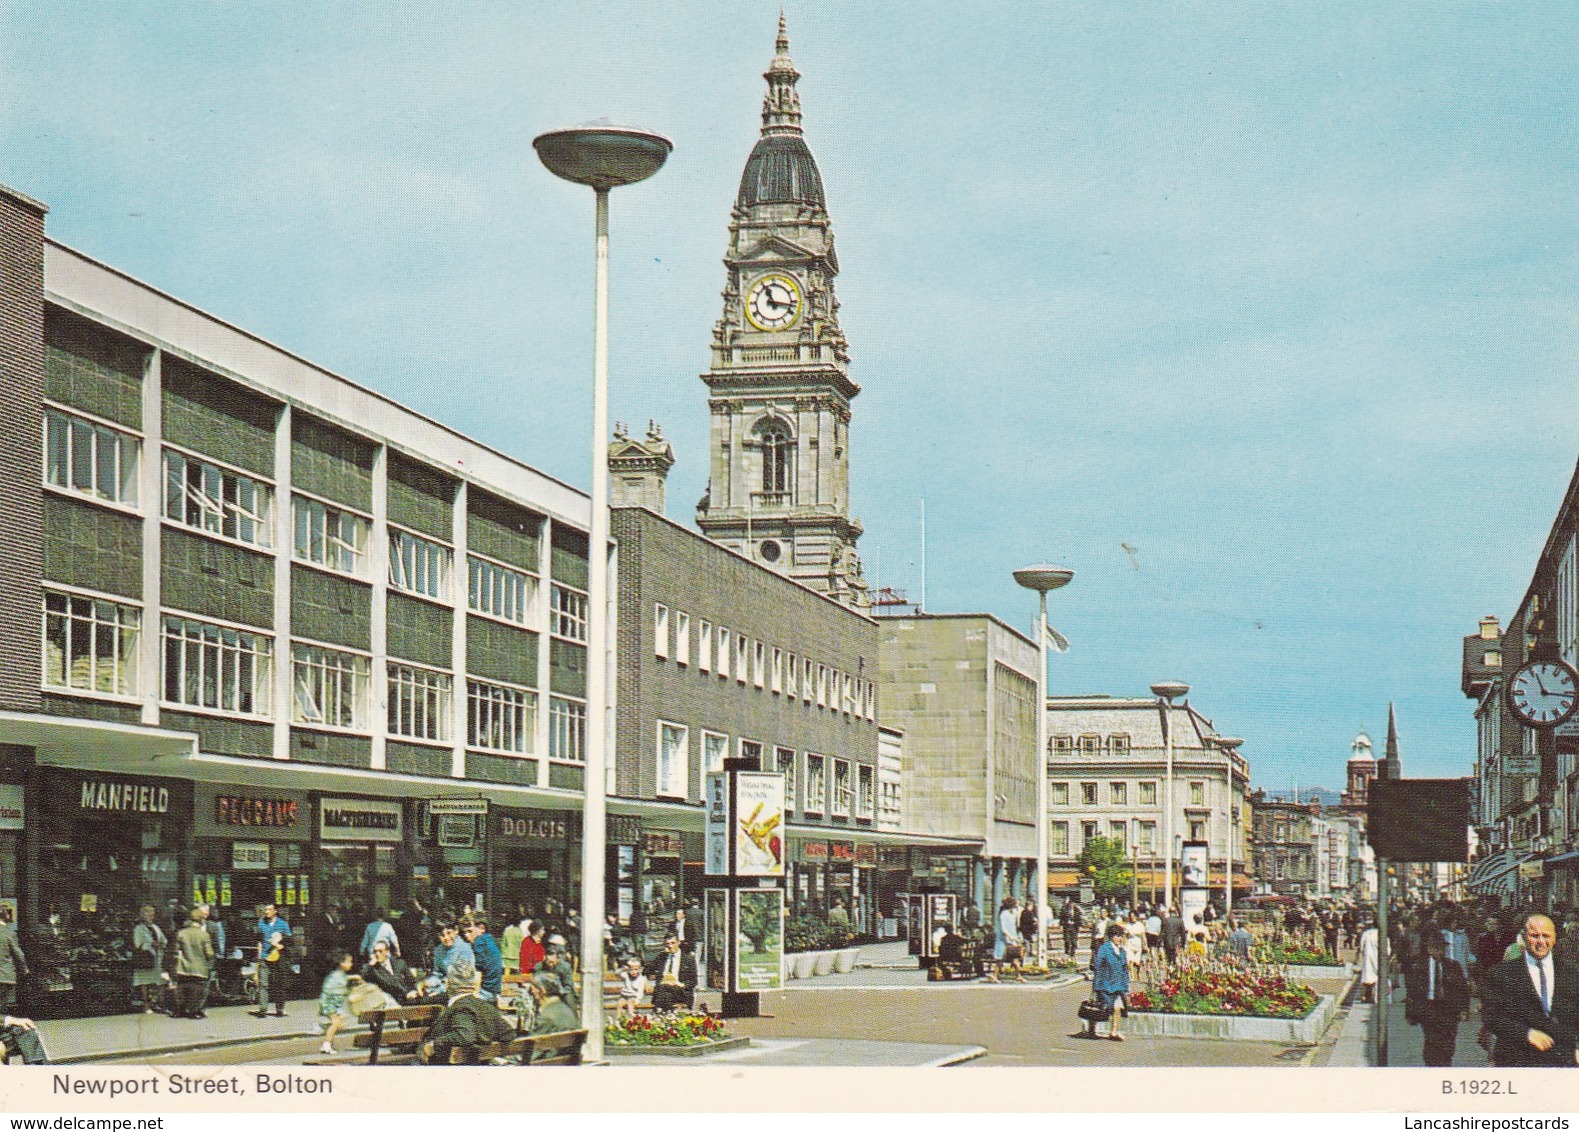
(1282, 297)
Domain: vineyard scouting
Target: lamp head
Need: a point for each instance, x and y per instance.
(1043, 577)
(602, 154)
(1170, 690)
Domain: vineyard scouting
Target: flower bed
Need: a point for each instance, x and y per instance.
(1216, 992)
(1293, 955)
(669, 1030)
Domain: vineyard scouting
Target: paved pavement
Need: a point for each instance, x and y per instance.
(1350, 1043)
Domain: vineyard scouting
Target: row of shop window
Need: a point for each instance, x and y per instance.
(91, 645)
(1118, 793)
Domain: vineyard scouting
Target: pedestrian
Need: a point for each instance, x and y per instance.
(1110, 982)
(1028, 926)
(1370, 962)
(1153, 930)
(1070, 919)
(556, 962)
(450, 949)
(633, 988)
(1172, 934)
(149, 942)
(1239, 940)
(1006, 949)
(13, 964)
(1438, 999)
(674, 976)
(510, 943)
(1531, 1003)
(273, 934)
(333, 1009)
(1135, 941)
(379, 928)
(1329, 931)
(194, 962)
(532, 949)
(485, 953)
(469, 1019)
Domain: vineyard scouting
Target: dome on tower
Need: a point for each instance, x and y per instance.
(780, 170)
(1360, 749)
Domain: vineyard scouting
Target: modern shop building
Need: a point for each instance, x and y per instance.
(265, 635)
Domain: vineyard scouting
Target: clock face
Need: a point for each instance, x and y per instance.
(774, 302)
(1543, 693)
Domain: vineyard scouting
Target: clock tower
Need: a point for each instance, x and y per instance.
(778, 385)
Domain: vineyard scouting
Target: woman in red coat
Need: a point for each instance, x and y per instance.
(532, 950)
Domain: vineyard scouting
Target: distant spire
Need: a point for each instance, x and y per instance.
(1390, 752)
(781, 104)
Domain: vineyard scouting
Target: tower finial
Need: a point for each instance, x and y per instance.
(781, 104)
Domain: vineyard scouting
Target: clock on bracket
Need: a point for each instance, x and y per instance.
(1543, 693)
(774, 302)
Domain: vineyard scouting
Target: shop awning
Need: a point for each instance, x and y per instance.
(1497, 875)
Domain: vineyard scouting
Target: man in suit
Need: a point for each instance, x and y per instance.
(673, 977)
(1531, 1003)
(389, 973)
(1173, 935)
(1438, 999)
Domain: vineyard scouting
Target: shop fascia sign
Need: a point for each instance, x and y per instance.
(359, 819)
(123, 797)
(458, 807)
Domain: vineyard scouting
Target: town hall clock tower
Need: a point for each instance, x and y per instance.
(779, 387)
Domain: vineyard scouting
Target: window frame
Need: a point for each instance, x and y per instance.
(820, 764)
(1053, 791)
(359, 673)
(563, 601)
(262, 664)
(1118, 793)
(480, 696)
(1090, 794)
(263, 489)
(434, 553)
(123, 660)
(865, 792)
(404, 679)
(362, 557)
(791, 782)
(531, 590)
(98, 428)
(567, 727)
(704, 646)
(682, 638)
(724, 646)
(678, 768)
(660, 630)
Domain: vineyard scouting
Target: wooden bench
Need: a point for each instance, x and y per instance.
(563, 1048)
(402, 1042)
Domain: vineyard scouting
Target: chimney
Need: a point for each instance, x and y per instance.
(638, 469)
(1490, 629)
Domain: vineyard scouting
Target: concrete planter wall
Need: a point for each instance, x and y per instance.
(823, 962)
(1305, 974)
(805, 963)
(844, 959)
(1304, 1030)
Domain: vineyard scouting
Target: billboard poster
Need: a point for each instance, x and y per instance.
(1193, 864)
(916, 923)
(759, 944)
(715, 958)
(759, 824)
(716, 851)
(940, 915)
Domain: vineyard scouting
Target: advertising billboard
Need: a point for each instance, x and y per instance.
(759, 939)
(715, 958)
(759, 824)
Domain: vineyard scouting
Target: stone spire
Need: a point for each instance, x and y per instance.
(781, 104)
(1394, 768)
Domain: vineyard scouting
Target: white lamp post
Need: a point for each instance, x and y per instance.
(1230, 748)
(1041, 578)
(602, 155)
(1166, 692)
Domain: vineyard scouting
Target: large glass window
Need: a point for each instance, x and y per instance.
(1058, 839)
(212, 666)
(567, 612)
(785, 757)
(816, 784)
(842, 788)
(500, 591)
(715, 749)
(218, 500)
(865, 799)
(1058, 793)
(420, 702)
(330, 687)
(777, 450)
(418, 566)
(567, 729)
(91, 458)
(672, 758)
(500, 718)
(90, 645)
(329, 536)
(1147, 794)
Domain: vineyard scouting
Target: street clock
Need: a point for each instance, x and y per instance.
(1543, 693)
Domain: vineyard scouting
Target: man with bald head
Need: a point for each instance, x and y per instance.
(1532, 1003)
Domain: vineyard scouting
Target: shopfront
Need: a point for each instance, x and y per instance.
(106, 845)
(251, 848)
(358, 862)
(662, 881)
(536, 861)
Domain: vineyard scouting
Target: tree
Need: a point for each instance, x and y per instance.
(1103, 860)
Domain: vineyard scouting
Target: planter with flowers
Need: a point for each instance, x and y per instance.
(1300, 962)
(671, 1033)
(1226, 1003)
(818, 947)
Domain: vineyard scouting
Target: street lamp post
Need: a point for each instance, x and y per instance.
(602, 155)
(1041, 578)
(1230, 748)
(1166, 692)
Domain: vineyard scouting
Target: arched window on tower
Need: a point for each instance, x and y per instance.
(777, 463)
